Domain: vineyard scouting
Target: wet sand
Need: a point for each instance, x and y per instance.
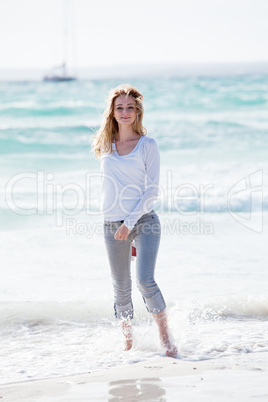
(239, 378)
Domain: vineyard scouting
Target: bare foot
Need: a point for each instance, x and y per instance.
(171, 350)
(128, 344)
(161, 321)
(127, 331)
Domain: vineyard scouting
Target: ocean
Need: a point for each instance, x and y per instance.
(56, 297)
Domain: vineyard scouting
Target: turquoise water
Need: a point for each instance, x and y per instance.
(55, 288)
(183, 114)
(218, 125)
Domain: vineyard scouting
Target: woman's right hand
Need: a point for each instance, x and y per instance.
(122, 232)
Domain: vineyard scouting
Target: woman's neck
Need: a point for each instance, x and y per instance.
(125, 133)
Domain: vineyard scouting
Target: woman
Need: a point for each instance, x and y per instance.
(130, 166)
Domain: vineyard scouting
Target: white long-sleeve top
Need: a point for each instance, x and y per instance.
(130, 183)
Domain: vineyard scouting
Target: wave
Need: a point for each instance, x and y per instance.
(43, 147)
(87, 336)
(25, 196)
(50, 109)
(69, 207)
(234, 308)
(209, 145)
(31, 105)
(46, 139)
(34, 313)
(36, 127)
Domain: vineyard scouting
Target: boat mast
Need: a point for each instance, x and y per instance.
(66, 7)
(62, 74)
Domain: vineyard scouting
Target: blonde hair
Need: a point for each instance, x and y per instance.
(102, 142)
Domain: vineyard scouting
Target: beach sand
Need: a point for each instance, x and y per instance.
(240, 377)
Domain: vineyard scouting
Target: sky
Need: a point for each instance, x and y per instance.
(112, 32)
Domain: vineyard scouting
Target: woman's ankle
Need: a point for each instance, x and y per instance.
(127, 331)
(164, 335)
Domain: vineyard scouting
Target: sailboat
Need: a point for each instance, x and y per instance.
(60, 73)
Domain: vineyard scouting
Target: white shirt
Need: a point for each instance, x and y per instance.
(130, 182)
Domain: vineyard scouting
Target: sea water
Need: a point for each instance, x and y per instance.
(56, 297)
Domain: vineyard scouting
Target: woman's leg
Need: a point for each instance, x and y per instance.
(147, 240)
(127, 331)
(119, 254)
(161, 321)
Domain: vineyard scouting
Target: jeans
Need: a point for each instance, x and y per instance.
(146, 233)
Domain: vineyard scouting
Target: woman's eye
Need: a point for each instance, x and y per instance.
(131, 107)
(118, 108)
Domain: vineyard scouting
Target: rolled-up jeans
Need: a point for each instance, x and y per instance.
(146, 233)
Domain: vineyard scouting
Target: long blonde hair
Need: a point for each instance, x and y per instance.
(102, 142)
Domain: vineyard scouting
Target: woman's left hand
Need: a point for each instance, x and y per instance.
(122, 233)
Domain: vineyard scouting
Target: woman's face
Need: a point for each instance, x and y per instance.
(125, 110)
